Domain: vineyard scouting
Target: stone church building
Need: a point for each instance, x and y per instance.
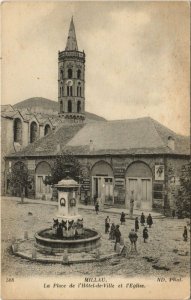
(117, 157)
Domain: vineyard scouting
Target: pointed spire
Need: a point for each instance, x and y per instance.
(71, 41)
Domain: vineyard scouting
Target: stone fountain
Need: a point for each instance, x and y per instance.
(67, 232)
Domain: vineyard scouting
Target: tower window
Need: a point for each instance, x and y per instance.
(79, 74)
(33, 132)
(79, 89)
(79, 106)
(69, 106)
(18, 131)
(47, 129)
(69, 73)
(61, 74)
(62, 91)
(69, 91)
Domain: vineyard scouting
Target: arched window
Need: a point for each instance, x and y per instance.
(69, 73)
(69, 106)
(79, 90)
(18, 131)
(79, 74)
(61, 74)
(47, 129)
(79, 106)
(33, 132)
(69, 91)
(62, 91)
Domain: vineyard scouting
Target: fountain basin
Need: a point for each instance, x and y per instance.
(47, 241)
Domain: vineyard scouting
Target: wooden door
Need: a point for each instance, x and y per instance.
(146, 202)
(109, 190)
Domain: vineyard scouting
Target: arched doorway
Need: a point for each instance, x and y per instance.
(102, 182)
(139, 180)
(43, 191)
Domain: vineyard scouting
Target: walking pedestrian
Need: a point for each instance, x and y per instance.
(133, 239)
(173, 213)
(145, 234)
(97, 207)
(136, 224)
(122, 218)
(142, 219)
(112, 232)
(149, 220)
(107, 224)
(117, 236)
(185, 234)
(131, 204)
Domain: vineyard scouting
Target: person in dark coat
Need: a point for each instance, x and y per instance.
(142, 219)
(117, 236)
(145, 234)
(122, 218)
(133, 239)
(107, 224)
(185, 234)
(112, 232)
(173, 213)
(86, 198)
(97, 207)
(136, 224)
(149, 220)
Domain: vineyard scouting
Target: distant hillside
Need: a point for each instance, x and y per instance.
(47, 106)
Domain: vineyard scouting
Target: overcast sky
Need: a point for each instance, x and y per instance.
(137, 56)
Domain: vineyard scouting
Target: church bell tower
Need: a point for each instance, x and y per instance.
(71, 79)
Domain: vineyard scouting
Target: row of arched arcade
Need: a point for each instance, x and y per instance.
(108, 184)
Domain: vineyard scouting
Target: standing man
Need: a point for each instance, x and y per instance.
(131, 204)
(97, 207)
(149, 220)
(117, 236)
(107, 224)
(133, 239)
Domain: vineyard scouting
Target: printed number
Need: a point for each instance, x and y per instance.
(9, 279)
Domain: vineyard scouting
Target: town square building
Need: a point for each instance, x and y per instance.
(117, 157)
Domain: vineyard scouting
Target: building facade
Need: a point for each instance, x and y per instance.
(117, 157)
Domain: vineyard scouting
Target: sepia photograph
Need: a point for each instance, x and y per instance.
(95, 150)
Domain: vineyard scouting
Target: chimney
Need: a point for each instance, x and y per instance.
(91, 145)
(171, 143)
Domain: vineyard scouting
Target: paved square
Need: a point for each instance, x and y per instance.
(165, 249)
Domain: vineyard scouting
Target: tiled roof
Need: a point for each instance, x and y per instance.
(51, 144)
(138, 136)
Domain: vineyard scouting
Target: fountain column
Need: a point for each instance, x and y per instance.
(68, 217)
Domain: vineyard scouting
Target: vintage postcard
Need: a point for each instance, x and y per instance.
(95, 150)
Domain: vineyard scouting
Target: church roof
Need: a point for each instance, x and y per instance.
(134, 137)
(71, 44)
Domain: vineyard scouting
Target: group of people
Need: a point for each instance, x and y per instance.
(115, 234)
